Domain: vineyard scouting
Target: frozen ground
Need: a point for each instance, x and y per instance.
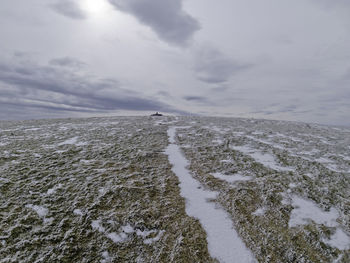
(105, 190)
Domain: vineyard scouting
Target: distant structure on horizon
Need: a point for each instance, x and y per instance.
(157, 114)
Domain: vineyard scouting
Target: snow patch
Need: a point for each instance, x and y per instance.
(232, 178)
(73, 140)
(69, 141)
(77, 212)
(40, 210)
(96, 224)
(128, 229)
(117, 238)
(223, 241)
(305, 210)
(125, 232)
(106, 257)
(53, 190)
(154, 239)
(339, 240)
(144, 233)
(265, 159)
(259, 212)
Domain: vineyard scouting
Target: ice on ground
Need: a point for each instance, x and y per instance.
(232, 178)
(306, 210)
(223, 241)
(40, 210)
(265, 159)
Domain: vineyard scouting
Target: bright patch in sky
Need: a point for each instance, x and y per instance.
(96, 7)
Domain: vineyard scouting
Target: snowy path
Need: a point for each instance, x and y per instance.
(224, 243)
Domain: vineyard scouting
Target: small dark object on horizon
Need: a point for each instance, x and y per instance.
(157, 114)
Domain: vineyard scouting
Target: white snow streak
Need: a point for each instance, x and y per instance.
(223, 241)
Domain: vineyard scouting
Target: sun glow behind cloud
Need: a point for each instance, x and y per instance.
(96, 8)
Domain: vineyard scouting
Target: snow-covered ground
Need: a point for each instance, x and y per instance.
(223, 241)
(118, 189)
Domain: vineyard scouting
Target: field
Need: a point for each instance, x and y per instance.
(106, 190)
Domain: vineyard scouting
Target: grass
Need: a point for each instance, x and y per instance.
(118, 174)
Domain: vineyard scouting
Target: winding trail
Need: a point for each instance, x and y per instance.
(224, 243)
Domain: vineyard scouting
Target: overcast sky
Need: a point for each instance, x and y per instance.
(273, 59)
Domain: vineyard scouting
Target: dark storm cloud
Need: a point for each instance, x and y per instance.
(68, 8)
(212, 66)
(31, 85)
(166, 18)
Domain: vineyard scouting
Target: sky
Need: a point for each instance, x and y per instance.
(273, 59)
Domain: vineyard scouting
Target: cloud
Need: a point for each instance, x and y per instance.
(29, 85)
(332, 4)
(196, 99)
(67, 62)
(68, 8)
(212, 66)
(165, 17)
